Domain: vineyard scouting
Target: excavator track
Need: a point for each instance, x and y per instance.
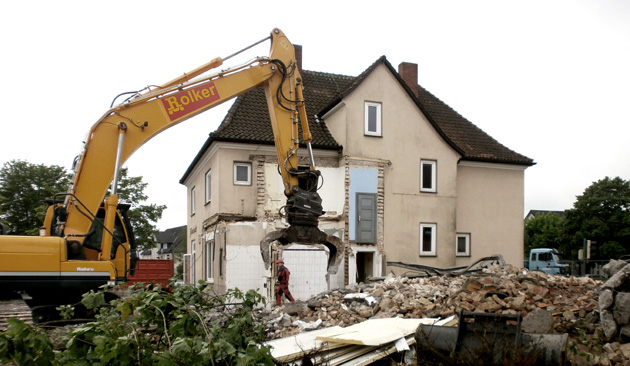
(14, 308)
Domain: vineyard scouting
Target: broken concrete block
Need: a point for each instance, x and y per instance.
(621, 309)
(613, 267)
(302, 326)
(295, 308)
(608, 324)
(361, 297)
(625, 349)
(605, 299)
(618, 278)
(625, 330)
(538, 321)
(568, 315)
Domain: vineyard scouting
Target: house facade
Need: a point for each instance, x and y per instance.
(171, 244)
(406, 179)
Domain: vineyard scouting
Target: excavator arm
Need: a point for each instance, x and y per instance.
(125, 128)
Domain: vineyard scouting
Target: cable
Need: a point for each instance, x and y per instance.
(279, 93)
(121, 94)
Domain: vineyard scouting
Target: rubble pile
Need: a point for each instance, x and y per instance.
(548, 304)
(568, 300)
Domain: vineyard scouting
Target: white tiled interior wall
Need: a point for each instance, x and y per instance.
(245, 269)
(308, 272)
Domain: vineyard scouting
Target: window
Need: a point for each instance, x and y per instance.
(193, 264)
(210, 260)
(428, 173)
(243, 174)
(193, 196)
(462, 245)
(428, 234)
(208, 192)
(372, 119)
(187, 269)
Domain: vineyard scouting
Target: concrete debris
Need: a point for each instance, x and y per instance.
(614, 300)
(592, 313)
(540, 321)
(367, 299)
(302, 326)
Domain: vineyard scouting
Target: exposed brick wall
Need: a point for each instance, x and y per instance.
(380, 165)
(259, 163)
(380, 209)
(346, 231)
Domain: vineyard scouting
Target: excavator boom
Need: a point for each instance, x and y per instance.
(87, 230)
(126, 127)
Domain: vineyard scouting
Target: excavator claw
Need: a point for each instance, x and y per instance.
(305, 235)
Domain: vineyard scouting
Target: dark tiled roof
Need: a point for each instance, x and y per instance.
(248, 121)
(471, 142)
(173, 236)
(462, 135)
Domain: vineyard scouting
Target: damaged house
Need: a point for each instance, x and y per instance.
(405, 179)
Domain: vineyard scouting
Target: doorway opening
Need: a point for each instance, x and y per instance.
(365, 266)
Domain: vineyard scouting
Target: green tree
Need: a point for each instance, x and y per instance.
(601, 214)
(544, 231)
(143, 217)
(23, 189)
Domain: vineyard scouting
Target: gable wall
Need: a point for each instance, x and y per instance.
(407, 137)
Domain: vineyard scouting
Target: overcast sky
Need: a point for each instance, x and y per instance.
(548, 79)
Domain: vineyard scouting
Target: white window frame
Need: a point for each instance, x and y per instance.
(210, 261)
(466, 237)
(433, 165)
(249, 174)
(193, 198)
(379, 119)
(193, 262)
(208, 185)
(433, 251)
(187, 264)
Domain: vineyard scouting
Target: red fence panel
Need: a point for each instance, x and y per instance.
(152, 270)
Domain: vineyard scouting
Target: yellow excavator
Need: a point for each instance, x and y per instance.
(87, 241)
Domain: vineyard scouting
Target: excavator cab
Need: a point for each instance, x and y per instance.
(88, 246)
(122, 233)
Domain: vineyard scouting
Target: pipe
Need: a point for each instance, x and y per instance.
(122, 127)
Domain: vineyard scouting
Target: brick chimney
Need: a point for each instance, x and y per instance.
(298, 55)
(409, 73)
